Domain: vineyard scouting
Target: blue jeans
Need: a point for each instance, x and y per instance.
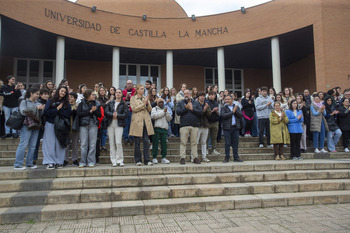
(231, 140)
(127, 127)
(319, 137)
(255, 126)
(333, 139)
(103, 137)
(28, 138)
(8, 111)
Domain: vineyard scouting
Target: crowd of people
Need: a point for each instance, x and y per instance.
(62, 119)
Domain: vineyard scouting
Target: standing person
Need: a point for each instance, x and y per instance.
(148, 85)
(190, 112)
(103, 99)
(284, 103)
(11, 93)
(74, 136)
(111, 93)
(162, 117)
(141, 125)
(81, 91)
(263, 106)
(334, 133)
(213, 122)
(43, 98)
(179, 97)
(128, 93)
(231, 124)
(307, 117)
(279, 130)
(174, 130)
(272, 93)
(152, 97)
(116, 113)
(169, 104)
(88, 112)
(295, 128)
(287, 96)
(49, 85)
(29, 108)
(195, 93)
(304, 109)
(203, 125)
(344, 123)
(318, 125)
(99, 131)
(248, 109)
(53, 151)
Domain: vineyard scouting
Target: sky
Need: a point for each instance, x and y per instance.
(209, 7)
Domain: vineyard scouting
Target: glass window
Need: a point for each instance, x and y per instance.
(154, 71)
(21, 67)
(132, 70)
(208, 76)
(48, 69)
(34, 68)
(122, 69)
(216, 76)
(144, 71)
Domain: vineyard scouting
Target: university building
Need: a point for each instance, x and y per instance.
(298, 43)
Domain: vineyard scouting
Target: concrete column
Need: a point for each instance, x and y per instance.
(169, 69)
(60, 47)
(115, 67)
(221, 69)
(276, 63)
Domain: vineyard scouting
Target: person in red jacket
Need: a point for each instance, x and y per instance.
(128, 93)
(99, 134)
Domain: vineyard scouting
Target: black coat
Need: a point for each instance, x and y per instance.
(344, 119)
(83, 112)
(188, 117)
(248, 108)
(331, 120)
(122, 111)
(214, 115)
(227, 114)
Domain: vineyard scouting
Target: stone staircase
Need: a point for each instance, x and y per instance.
(103, 191)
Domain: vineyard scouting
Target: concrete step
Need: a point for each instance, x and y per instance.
(8, 173)
(98, 181)
(75, 196)
(175, 158)
(163, 206)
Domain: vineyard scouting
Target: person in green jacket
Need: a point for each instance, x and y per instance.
(279, 130)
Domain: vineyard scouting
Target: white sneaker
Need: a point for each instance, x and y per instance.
(19, 168)
(151, 146)
(317, 151)
(206, 160)
(34, 167)
(346, 150)
(215, 152)
(269, 146)
(121, 164)
(139, 164)
(206, 153)
(246, 135)
(165, 161)
(261, 145)
(284, 145)
(155, 161)
(324, 151)
(114, 165)
(150, 163)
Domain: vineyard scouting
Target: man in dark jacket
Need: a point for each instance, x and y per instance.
(190, 112)
(11, 94)
(213, 121)
(232, 116)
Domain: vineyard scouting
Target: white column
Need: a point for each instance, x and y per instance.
(169, 69)
(60, 47)
(276, 64)
(221, 69)
(115, 67)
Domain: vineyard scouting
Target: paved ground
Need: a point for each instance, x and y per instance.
(318, 218)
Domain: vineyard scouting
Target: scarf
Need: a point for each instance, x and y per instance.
(319, 105)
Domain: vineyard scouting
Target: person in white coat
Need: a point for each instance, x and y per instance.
(162, 118)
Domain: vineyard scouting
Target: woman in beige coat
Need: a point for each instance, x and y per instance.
(141, 125)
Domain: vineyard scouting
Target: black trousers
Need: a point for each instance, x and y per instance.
(295, 144)
(137, 152)
(346, 137)
(264, 124)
